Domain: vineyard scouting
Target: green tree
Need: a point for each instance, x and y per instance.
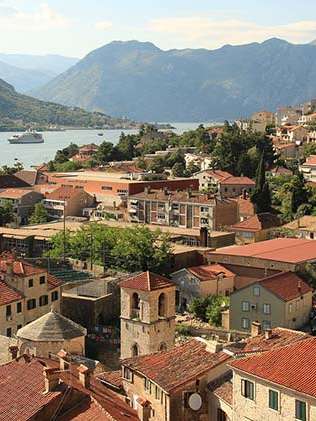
(178, 170)
(299, 192)
(7, 214)
(104, 154)
(39, 215)
(157, 165)
(261, 196)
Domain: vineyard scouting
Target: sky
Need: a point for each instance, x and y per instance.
(75, 27)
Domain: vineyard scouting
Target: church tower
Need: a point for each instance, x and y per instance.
(147, 314)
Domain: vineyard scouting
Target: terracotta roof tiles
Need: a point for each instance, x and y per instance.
(208, 272)
(292, 366)
(291, 250)
(147, 281)
(286, 285)
(257, 222)
(173, 369)
(8, 294)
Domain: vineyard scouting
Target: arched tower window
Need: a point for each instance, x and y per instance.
(163, 346)
(135, 307)
(162, 305)
(135, 350)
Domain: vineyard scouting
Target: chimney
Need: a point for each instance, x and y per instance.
(299, 286)
(13, 351)
(147, 190)
(255, 329)
(9, 267)
(84, 375)
(51, 379)
(63, 360)
(268, 334)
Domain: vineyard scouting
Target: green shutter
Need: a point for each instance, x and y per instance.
(273, 400)
(300, 410)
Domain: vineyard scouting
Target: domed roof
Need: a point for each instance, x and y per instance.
(51, 327)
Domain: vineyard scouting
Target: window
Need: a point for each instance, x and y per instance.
(42, 280)
(245, 323)
(300, 410)
(106, 188)
(31, 304)
(43, 300)
(267, 308)
(290, 308)
(247, 389)
(273, 400)
(19, 307)
(31, 283)
(9, 332)
(256, 291)
(162, 305)
(54, 295)
(127, 374)
(245, 306)
(8, 311)
(157, 393)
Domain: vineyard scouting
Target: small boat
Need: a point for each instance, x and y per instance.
(100, 134)
(30, 136)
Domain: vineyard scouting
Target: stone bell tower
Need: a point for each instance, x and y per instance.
(147, 314)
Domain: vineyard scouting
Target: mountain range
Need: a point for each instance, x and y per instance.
(18, 111)
(143, 82)
(27, 72)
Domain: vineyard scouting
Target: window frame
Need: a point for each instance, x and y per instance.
(264, 306)
(248, 306)
(248, 389)
(256, 287)
(248, 323)
(271, 393)
(41, 280)
(300, 416)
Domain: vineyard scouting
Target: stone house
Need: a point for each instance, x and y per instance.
(308, 168)
(283, 299)
(168, 386)
(49, 334)
(147, 314)
(26, 293)
(276, 385)
(22, 201)
(201, 281)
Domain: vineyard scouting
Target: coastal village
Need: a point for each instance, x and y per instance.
(169, 277)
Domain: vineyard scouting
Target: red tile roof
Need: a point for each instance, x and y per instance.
(8, 294)
(14, 193)
(257, 222)
(22, 390)
(19, 267)
(88, 410)
(286, 285)
(208, 272)
(218, 174)
(292, 366)
(238, 181)
(311, 160)
(53, 282)
(279, 337)
(113, 378)
(147, 281)
(245, 207)
(22, 387)
(173, 369)
(291, 250)
(63, 193)
(222, 387)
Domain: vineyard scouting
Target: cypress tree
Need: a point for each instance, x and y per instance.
(261, 197)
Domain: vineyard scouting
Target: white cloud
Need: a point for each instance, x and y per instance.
(103, 25)
(210, 33)
(42, 19)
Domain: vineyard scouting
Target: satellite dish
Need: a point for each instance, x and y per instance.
(195, 402)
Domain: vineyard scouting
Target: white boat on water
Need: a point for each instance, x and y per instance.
(30, 136)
